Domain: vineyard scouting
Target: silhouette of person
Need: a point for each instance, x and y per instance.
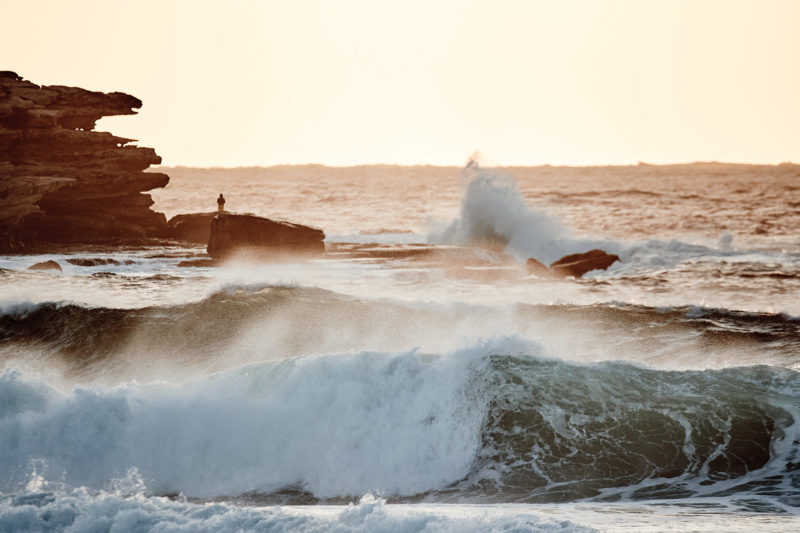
(221, 203)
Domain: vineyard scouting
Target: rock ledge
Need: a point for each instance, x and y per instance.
(258, 238)
(63, 183)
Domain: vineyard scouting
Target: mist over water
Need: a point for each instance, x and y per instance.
(417, 363)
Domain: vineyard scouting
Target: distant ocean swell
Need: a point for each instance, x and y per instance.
(494, 422)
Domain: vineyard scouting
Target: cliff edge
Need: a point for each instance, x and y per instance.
(61, 182)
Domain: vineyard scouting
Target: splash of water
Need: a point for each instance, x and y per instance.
(494, 214)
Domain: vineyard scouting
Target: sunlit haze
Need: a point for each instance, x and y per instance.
(415, 82)
(414, 266)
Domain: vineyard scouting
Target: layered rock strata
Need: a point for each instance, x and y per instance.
(61, 182)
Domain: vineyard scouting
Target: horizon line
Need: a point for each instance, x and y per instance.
(433, 165)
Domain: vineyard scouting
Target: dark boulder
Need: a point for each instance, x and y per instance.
(577, 265)
(45, 265)
(192, 227)
(258, 238)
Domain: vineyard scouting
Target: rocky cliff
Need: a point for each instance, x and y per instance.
(61, 182)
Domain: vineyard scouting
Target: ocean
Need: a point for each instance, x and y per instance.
(416, 377)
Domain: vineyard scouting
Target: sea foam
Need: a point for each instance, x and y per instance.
(80, 510)
(398, 424)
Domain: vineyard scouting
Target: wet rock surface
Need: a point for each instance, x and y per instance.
(258, 238)
(97, 261)
(191, 227)
(64, 183)
(45, 265)
(577, 265)
(573, 265)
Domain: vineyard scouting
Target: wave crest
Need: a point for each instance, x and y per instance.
(491, 423)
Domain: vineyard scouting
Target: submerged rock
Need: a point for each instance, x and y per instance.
(199, 263)
(577, 265)
(191, 227)
(45, 265)
(96, 261)
(61, 181)
(253, 237)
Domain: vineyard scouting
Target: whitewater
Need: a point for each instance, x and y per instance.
(416, 377)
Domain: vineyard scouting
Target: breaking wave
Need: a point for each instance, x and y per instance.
(494, 213)
(495, 422)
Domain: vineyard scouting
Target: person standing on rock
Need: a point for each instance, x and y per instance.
(221, 203)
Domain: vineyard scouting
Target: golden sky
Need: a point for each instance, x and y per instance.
(345, 82)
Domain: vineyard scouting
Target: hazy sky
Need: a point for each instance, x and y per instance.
(346, 82)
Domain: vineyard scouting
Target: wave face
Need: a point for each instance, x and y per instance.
(560, 432)
(495, 422)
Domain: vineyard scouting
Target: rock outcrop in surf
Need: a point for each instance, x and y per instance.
(573, 265)
(64, 183)
(45, 265)
(191, 227)
(577, 265)
(253, 237)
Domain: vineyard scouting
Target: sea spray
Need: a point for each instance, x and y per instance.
(76, 345)
(400, 424)
(494, 213)
(492, 422)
